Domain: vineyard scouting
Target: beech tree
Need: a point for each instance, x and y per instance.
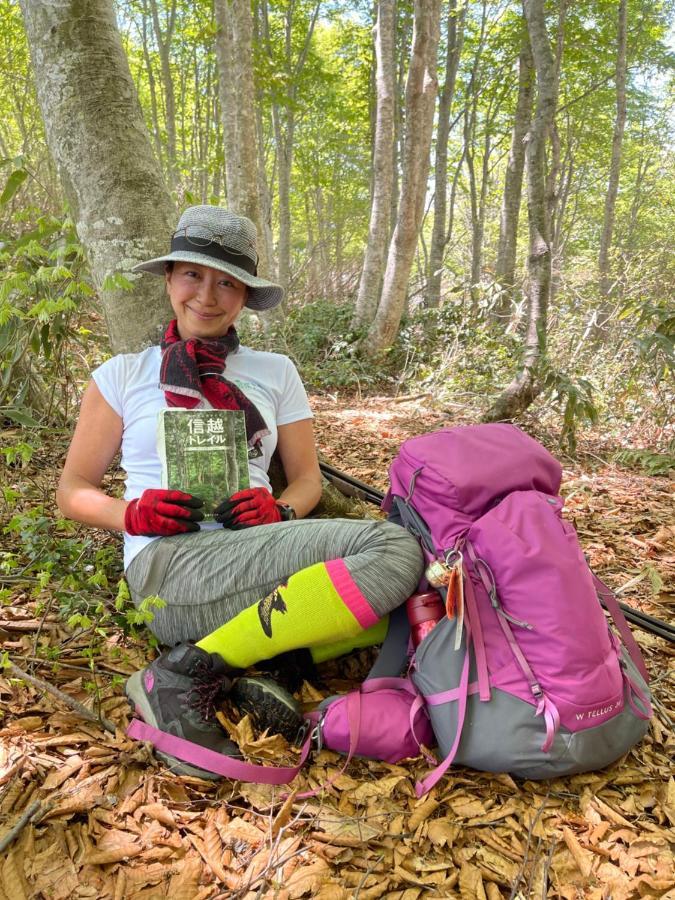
(615, 164)
(440, 230)
(383, 166)
(420, 98)
(513, 179)
(98, 140)
(285, 109)
(523, 389)
(164, 36)
(234, 52)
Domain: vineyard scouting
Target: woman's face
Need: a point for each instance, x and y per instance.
(205, 301)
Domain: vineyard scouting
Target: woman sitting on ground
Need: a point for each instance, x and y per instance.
(261, 579)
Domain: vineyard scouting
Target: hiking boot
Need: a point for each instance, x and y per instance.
(177, 694)
(270, 706)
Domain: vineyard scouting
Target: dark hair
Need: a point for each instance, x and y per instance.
(168, 266)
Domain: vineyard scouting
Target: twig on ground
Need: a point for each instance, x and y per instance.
(408, 397)
(34, 809)
(70, 702)
(526, 853)
(368, 871)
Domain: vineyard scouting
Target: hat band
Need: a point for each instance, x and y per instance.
(215, 251)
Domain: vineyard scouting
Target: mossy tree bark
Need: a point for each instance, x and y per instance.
(97, 137)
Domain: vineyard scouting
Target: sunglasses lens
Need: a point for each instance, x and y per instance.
(199, 237)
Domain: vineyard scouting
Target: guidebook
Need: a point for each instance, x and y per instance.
(203, 452)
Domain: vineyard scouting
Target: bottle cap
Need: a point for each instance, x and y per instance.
(426, 607)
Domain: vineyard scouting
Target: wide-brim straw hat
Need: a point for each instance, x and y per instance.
(216, 237)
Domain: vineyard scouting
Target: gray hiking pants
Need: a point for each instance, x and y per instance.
(206, 578)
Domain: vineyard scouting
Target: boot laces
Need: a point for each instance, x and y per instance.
(206, 690)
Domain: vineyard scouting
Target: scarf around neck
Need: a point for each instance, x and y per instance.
(191, 372)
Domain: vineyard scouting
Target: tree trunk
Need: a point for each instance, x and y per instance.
(614, 170)
(235, 24)
(439, 235)
(518, 395)
(151, 84)
(227, 94)
(513, 182)
(96, 134)
(265, 198)
(283, 117)
(420, 98)
(383, 167)
(163, 39)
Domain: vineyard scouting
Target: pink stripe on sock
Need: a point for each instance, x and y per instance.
(350, 594)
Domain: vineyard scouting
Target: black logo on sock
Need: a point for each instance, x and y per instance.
(267, 606)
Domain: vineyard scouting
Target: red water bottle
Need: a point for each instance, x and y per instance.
(424, 611)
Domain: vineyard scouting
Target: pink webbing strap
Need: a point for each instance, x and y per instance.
(353, 701)
(545, 706)
(211, 761)
(551, 719)
(448, 696)
(417, 706)
(610, 601)
(382, 684)
(427, 783)
(634, 691)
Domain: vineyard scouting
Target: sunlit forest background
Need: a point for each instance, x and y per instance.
(469, 204)
(310, 72)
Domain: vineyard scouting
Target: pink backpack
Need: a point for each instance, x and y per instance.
(524, 675)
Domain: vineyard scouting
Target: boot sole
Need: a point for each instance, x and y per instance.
(141, 708)
(270, 706)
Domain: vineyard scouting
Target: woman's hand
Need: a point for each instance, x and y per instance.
(159, 512)
(252, 506)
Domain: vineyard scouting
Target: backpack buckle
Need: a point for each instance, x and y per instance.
(316, 735)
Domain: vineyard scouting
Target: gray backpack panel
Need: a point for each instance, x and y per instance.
(503, 734)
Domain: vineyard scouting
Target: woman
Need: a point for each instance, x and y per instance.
(261, 579)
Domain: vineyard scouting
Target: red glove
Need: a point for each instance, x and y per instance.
(159, 512)
(253, 506)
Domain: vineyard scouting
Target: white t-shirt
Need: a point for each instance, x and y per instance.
(130, 384)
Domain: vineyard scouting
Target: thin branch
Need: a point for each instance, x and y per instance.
(66, 699)
(35, 809)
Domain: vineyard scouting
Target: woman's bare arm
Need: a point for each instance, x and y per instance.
(96, 440)
(297, 449)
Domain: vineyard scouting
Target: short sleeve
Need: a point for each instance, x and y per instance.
(294, 404)
(108, 380)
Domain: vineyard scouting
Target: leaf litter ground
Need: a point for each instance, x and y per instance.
(89, 813)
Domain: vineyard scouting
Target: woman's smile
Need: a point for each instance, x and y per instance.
(205, 300)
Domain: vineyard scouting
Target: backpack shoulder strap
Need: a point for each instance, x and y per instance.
(611, 604)
(411, 520)
(393, 655)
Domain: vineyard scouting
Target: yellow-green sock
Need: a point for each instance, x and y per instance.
(319, 605)
(373, 635)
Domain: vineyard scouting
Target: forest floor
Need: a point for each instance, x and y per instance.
(86, 813)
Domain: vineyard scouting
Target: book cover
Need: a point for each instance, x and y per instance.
(203, 452)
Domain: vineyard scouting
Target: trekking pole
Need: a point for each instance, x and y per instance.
(352, 487)
(648, 623)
